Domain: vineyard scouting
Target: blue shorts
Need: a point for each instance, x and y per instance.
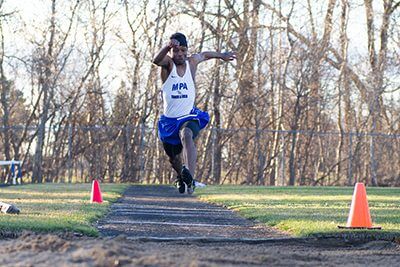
(168, 128)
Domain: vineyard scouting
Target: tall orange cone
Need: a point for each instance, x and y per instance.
(359, 216)
(96, 193)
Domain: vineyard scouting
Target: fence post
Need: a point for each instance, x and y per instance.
(373, 162)
(69, 154)
(350, 162)
(128, 159)
(282, 159)
(141, 148)
(213, 153)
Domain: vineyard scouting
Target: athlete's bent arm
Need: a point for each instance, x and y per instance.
(162, 59)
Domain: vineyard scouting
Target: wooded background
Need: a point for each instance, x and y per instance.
(312, 99)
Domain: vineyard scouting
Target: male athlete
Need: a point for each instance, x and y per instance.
(182, 121)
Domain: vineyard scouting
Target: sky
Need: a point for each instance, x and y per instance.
(34, 14)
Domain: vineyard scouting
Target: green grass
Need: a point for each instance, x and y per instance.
(56, 207)
(307, 211)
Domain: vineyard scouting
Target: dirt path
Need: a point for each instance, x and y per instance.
(162, 228)
(159, 212)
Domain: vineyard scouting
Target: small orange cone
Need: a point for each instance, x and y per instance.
(96, 193)
(359, 216)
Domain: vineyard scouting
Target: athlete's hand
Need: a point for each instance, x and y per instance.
(173, 43)
(228, 56)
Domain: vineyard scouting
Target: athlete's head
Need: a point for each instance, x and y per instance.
(179, 52)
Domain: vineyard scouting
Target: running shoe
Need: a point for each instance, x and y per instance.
(188, 180)
(182, 187)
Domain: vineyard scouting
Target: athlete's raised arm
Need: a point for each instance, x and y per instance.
(162, 59)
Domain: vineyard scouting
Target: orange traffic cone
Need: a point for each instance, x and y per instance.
(96, 193)
(359, 216)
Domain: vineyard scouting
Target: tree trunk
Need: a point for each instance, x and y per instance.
(37, 174)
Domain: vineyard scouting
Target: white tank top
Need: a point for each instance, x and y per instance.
(179, 93)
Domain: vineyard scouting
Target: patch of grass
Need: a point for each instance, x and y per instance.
(56, 207)
(307, 211)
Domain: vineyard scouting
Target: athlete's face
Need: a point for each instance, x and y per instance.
(179, 54)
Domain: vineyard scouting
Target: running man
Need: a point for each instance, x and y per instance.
(181, 121)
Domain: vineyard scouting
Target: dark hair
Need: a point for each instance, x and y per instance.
(181, 38)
